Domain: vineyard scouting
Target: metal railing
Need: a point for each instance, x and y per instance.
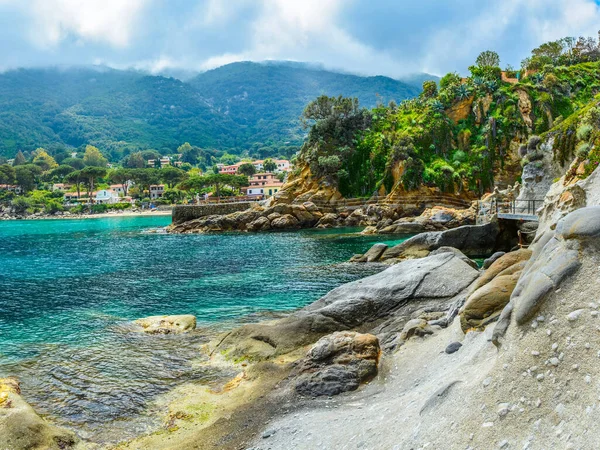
(525, 208)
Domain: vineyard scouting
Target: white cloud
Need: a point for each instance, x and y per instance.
(108, 21)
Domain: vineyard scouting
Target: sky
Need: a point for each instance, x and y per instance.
(371, 37)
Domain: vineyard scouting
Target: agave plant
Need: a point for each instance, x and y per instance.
(537, 78)
(491, 85)
(478, 82)
(436, 105)
(463, 92)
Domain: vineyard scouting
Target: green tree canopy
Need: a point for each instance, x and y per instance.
(135, 161)
(269, 165)
(75, 163)
(19, 159)
(93, 157)
(172, 175)
(91, 174)
(26, 176)
(7, 174)
(214, 180)
(488, 58)
(42, 159)
(121, 176)
(247, 169)
(60, 172)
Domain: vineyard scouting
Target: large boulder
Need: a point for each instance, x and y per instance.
(337, 363)
(285, 221)
(167, 324)
(364, 303)
(492, 291)
(22, 428)
(472, 240)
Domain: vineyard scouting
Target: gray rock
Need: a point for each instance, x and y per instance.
(489, 261)
(383, 297)
(470, 239)
(456, 252)
(453, 347)
(337, 363)
(373, 254)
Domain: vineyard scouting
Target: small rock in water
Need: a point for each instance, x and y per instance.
(453, 347)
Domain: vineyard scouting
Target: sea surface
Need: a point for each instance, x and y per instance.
(69, 290)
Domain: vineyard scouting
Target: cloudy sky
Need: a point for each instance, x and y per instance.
(389, 37)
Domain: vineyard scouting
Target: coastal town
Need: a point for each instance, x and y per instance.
(39, 184)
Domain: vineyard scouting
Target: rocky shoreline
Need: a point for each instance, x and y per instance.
(376, 219)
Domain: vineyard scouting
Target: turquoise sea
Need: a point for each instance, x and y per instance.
(69, 289)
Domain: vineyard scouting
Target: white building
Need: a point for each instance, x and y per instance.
(107, 196)
(157, 191)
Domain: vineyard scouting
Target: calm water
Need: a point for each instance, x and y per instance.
(68, 290)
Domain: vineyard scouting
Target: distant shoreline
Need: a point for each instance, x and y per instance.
(90, 216)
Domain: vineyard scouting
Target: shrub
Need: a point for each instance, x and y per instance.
(583, 150)
(21, 204)
(584, 132)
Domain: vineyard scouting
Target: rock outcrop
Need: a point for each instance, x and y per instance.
(492, 291)
(432, 219)
(472, 240)
(337, 363)
(167, 324)
(383, 303)
(22, 428)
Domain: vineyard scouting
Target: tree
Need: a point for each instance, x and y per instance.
(173, 195)
(42, 159)
(324, 108)
(247, 169)
(172, 175)
(93, 158)
(144, 178)
(188, 153)
(214, 180)
(135, 161)
(91, 174)
(75, 178)
(7, 174)
(450, 79)
(60, 172)
(75, 163)
(429, 89)
(19, 159)
(26, 176)
(488, 58)
(122, 177)
(269, 165)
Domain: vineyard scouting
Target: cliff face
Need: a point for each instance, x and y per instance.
(304, 187)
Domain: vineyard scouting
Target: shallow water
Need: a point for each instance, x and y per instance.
(68, 290)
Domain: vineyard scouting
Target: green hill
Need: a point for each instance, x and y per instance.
(241, 106)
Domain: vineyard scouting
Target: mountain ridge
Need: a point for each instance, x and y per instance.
(121, 111)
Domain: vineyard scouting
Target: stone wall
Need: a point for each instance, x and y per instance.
(183, 213)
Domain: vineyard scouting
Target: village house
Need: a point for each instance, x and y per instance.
(157, 191)
(162, 162)
(11, 188)
(230, 170)
(61, 187)
(106, 196)
(263, 185)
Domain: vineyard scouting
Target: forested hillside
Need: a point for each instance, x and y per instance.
(242, 106)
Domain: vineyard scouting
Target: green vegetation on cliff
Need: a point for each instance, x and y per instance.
(465, 134)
